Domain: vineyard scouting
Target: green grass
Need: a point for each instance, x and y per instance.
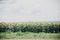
(29, 35)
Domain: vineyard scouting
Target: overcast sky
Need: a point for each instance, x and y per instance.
(29, 10)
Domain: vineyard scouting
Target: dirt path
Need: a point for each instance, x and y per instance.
(29, 39)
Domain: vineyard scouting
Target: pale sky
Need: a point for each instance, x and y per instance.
(29, 10)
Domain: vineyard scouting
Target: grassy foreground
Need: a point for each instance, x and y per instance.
(28, 35)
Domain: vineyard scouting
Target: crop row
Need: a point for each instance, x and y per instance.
(50, 28)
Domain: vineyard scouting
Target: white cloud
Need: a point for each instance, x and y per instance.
(29, 10)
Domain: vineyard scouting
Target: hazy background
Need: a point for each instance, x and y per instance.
(29, 10)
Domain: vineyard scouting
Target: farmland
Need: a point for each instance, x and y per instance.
(29, 30)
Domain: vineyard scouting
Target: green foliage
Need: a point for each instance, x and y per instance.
(28, 35)
(37, 27)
